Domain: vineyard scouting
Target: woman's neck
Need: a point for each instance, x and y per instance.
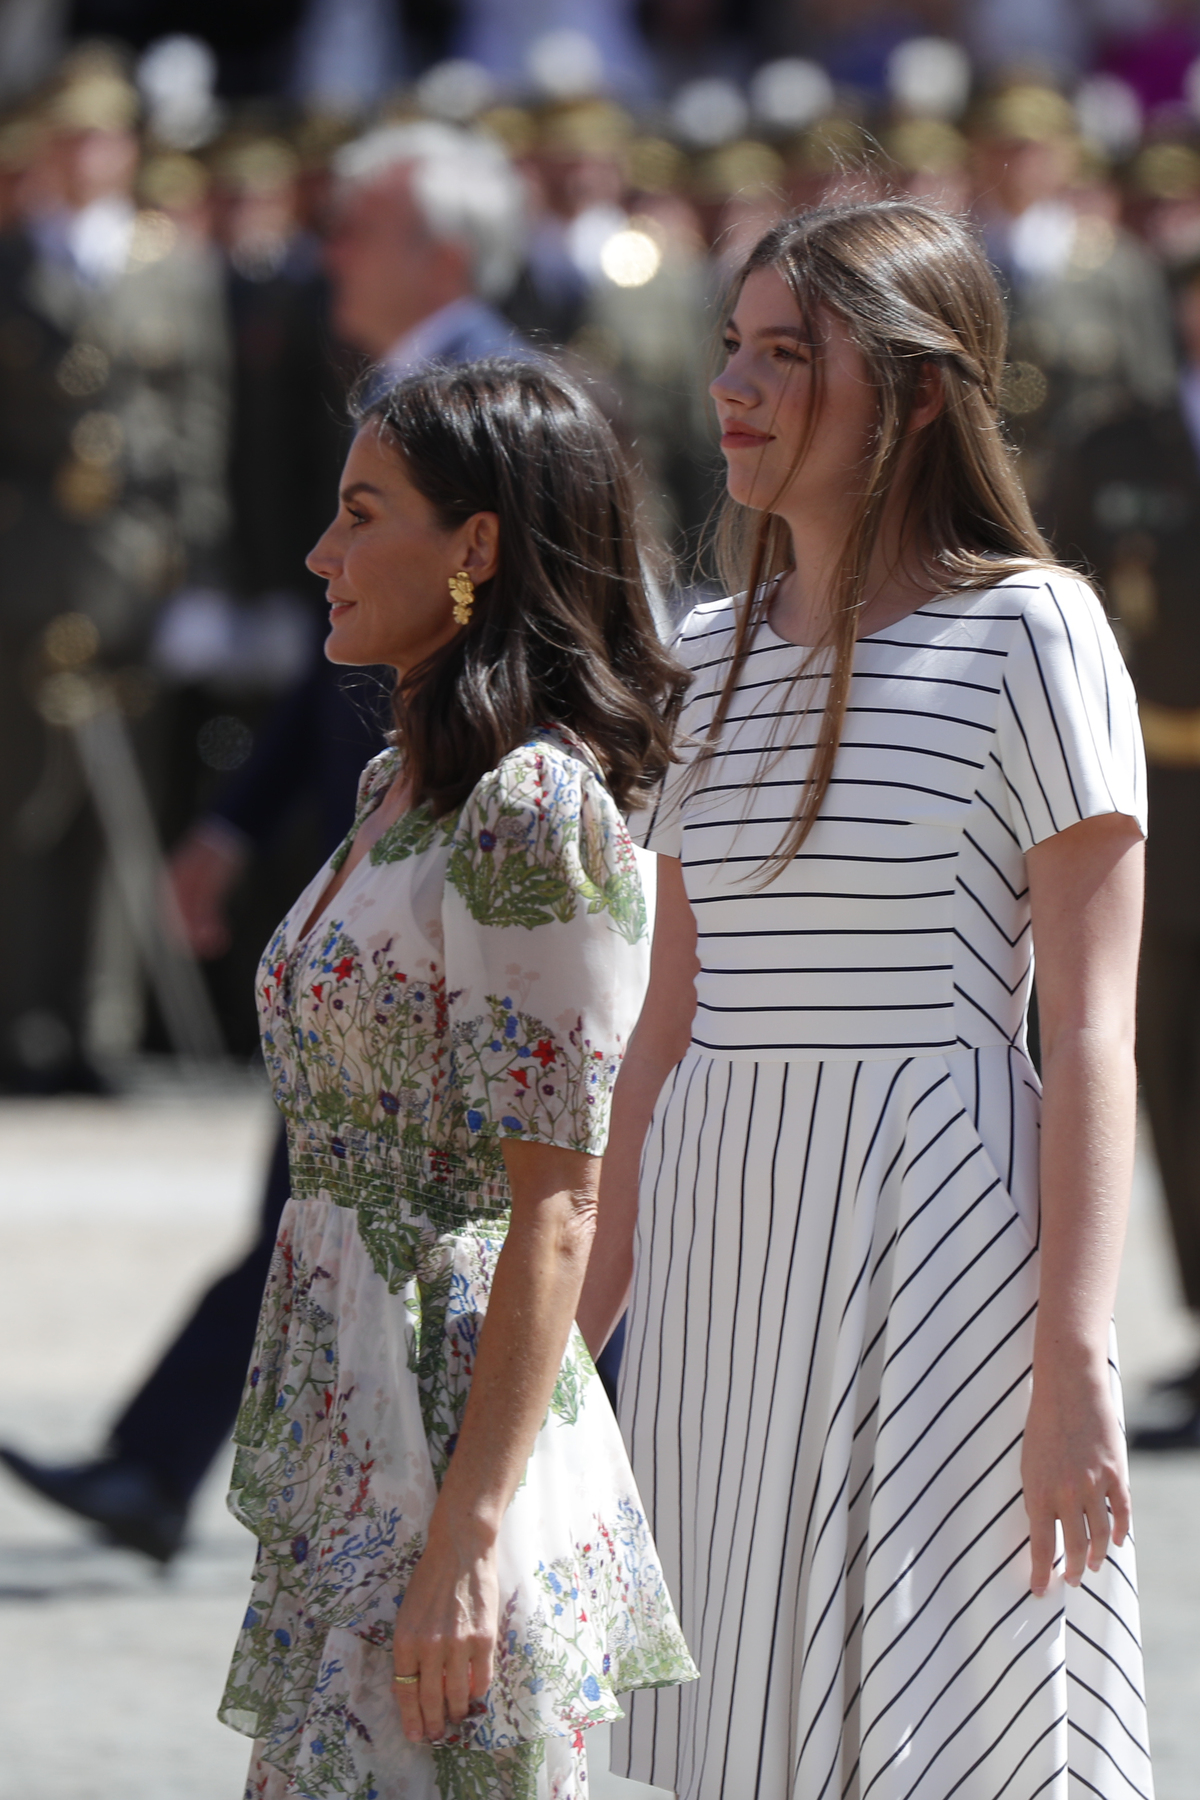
(897, 581)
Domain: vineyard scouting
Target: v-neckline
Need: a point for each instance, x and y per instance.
(323, 904)
(321, 907)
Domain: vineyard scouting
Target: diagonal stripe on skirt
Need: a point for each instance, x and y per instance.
(825, 1388)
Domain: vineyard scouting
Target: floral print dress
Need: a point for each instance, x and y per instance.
(476, 978)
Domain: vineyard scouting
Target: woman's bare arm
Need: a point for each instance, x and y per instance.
(662, 1035)
(446, 1628)
(1085, 889)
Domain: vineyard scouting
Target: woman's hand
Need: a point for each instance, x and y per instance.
(1073, 1471)
(446, 1634)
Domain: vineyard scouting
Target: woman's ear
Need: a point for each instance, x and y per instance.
(480, 541)
(929, 398)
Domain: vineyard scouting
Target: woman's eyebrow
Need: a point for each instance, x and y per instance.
(798, 332)
(361, 487)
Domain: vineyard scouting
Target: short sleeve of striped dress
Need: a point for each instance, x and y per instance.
(658, 826)
(1068, 739)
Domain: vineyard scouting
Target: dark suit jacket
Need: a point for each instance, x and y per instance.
(1126, 508)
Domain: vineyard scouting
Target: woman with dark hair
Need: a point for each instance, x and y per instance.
(869, 1389)
(454, 1575)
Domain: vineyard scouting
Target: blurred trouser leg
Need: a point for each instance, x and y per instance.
(49, 863)
(1169, 1068)
(178, 1421)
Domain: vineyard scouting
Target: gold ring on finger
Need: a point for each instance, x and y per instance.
(405, 1680)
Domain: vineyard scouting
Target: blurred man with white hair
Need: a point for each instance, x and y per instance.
(426, 239)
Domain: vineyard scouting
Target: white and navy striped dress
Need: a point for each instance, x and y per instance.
(828, 1366)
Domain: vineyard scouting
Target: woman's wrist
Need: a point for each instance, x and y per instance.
(1076, 1360)
(470, 1526)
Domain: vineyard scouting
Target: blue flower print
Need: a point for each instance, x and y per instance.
(474, 1120)
(510, 1026)
(284, 1637)
(487, 840)
(591, 1688)
(250, 1620)
(297, 1430)
(511, 1124)
(299, 1548)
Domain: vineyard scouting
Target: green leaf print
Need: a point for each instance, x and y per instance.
(534, 844)
(465, 1773)
(615, 890)
(412, 835)
(576, 1371)
(509, 888)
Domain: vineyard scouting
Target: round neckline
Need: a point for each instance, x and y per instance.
(867, 637)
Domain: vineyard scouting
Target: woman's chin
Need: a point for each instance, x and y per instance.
(743, 487)
(340, 647)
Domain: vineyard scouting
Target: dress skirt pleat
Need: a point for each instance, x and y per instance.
(825, 1390)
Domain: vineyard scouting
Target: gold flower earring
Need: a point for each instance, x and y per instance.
(462, 592)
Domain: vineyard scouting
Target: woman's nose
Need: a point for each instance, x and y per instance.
(731, 386)
(320, 559)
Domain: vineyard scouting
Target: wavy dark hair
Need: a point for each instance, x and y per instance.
(914, 290)
(564, 632)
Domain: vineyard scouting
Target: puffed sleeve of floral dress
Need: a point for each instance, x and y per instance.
(1068, 738)
(547, 921)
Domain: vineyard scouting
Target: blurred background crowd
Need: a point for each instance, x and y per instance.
(207, 233)
(215, 220)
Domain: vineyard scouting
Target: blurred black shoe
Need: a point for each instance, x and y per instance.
(1186, 1382)
(76, 1077)
(124, 1499)
(1181, 1434)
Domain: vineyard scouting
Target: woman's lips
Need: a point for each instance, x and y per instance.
(737, 438)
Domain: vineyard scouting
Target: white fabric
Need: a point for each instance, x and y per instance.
(974, 728)
(828, 1363)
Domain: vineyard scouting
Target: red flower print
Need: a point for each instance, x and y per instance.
(521, 1076)
(318, 988)
(544, 1052)
(344, 969)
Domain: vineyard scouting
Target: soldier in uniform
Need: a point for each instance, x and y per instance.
(1126, 504)
(116, 371)
(1090, 313)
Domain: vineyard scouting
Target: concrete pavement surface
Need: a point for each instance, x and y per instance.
(114, 1214)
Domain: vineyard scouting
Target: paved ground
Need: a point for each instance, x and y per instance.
(112, 1216)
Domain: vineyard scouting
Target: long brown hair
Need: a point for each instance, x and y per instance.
(563, 633)
(913, 289)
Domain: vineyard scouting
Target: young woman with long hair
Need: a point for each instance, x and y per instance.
(869, 1391)
(454, 1576)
